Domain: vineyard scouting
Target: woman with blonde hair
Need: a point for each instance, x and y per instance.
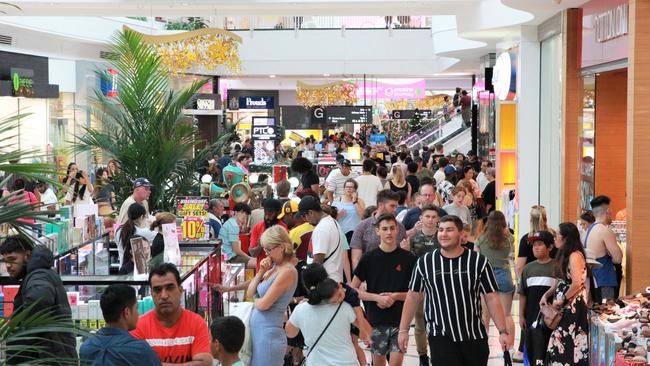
(274, 284)
(538, 222)
(497, 245)
(397, 183)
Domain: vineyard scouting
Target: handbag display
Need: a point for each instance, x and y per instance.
(552, 316)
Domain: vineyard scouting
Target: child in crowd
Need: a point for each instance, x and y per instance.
(536, 279)
(228, 335)
(467, 234)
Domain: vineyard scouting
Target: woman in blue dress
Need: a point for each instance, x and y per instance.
(273, 287)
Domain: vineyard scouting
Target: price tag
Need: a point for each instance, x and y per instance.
(193, 228)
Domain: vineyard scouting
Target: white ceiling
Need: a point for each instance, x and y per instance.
(463, 30)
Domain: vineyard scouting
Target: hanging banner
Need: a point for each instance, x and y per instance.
(391, 89)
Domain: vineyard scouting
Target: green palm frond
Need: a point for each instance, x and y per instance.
(144, 127)
(22, 333)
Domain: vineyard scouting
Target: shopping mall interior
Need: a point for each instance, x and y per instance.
(545, 91)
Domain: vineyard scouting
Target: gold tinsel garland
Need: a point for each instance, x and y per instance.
(394, 105)
(432, 102)
(206, 48)
(336, 93)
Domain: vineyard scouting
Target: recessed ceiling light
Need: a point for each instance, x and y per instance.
(271, 76)
(326, 75)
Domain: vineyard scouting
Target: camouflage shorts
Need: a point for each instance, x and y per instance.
(384, 340)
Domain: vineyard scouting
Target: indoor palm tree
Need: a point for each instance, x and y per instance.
(20, 333)
(144, 128)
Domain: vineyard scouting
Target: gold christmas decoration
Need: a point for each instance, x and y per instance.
(336, 93)
(394, 105)
(207, 48)
(432, 102)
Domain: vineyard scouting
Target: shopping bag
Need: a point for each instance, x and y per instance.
(507, 361)
(536, 342)
(243, 311)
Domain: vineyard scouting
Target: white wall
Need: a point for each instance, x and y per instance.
(528, 124)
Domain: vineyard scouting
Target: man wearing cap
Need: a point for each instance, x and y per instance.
(335, 181)
(600, 240)
(272, 209)
(327, 241)
(446, 186)
(141, 193)
(300, 230)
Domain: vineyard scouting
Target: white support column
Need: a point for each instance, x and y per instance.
(528, 125)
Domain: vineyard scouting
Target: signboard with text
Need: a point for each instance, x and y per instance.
(194, 212)
(263, 133)
(340, 115)
(256, 103)
(410, 113)
(391, 89)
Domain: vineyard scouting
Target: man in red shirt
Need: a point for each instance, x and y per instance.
(272, 209)
(179, 336)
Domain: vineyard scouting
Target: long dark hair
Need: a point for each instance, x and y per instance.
(494, 232)
(78, 192)
(319, 287)
(572, 243)
(68, 179)
(134, 212)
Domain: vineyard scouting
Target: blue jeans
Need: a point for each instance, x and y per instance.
(504, 280)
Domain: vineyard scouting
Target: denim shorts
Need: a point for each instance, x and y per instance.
(504, 280)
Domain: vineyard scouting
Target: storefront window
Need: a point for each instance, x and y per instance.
(587, 151)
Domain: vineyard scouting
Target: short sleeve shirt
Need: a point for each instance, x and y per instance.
(327, 239)
(179, 343)
(422, 243)
(365, 236)
(229, 232)
(385, 272)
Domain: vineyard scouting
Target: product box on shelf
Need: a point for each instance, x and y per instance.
(83, 315)
(93, 313)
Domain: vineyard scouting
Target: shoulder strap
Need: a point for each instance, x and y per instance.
(337, 245)
(584, 245)
(321, 334)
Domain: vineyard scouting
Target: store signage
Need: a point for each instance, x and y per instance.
(206, 104)
(612, 23)
(391, 89)
(338, 115)
(263, 134)
(504, 77)
(22, 84)
(194, 213)
(410, 113)
(256, 103)
(377, 138)
(233, 104)
(192, 206)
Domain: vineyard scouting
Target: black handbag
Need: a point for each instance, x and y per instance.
(536, 341)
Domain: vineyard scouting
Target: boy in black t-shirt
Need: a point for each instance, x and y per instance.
(536, 279)
(386, 271)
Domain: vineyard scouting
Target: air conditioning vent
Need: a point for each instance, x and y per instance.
(8, 40)
(107, 55)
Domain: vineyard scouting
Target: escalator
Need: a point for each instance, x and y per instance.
(434, 132)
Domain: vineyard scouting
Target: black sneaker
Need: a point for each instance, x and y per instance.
(424, 360)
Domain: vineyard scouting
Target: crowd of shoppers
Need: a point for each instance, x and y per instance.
(415, 237)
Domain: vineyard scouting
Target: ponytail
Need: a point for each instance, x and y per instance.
(324, 290)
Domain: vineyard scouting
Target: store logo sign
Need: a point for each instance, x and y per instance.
(504, 77)
(612, 23)
(22, 86)
(256, 102)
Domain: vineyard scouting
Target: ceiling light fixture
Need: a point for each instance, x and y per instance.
(326, 75)
(271, 76)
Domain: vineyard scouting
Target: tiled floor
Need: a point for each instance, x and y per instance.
(496, 355)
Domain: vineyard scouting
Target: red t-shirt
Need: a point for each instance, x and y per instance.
(256, 234)
(178, 344)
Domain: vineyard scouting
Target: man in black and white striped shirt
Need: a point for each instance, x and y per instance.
(453, 280)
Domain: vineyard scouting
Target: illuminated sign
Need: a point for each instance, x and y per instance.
(256, 103)
(504, 77)
(263, 134)
(206, 104)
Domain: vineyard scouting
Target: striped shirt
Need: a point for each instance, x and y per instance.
(452, 293)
